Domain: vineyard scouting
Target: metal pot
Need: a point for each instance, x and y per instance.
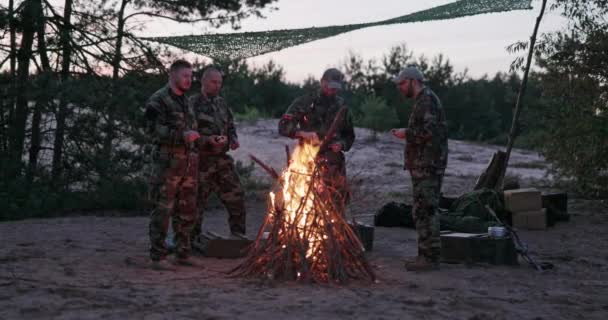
(497, 232)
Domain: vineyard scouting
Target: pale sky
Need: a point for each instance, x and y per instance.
(477, 43)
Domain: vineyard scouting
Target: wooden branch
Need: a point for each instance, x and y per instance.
(520, 96)
(264, 166)
(333, 129)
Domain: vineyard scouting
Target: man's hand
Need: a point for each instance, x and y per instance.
(336, 147)
(191, 136)
(218, 141)
(399, 133)
(234, 145)
(308, 136)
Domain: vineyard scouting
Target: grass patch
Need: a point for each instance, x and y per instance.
(250, 114)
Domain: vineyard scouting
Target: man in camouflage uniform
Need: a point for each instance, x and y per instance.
(217, 172)
(310, 117)
(169, 124)
(426, 154)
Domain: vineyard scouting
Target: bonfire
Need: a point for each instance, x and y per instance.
(305, 235)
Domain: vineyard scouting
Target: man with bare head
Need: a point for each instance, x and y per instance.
(170, 125)
(217, 172)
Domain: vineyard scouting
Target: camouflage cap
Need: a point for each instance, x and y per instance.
(334, 78)
(410, 72)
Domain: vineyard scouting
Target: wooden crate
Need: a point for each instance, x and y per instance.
(216, 246)
(477, 248)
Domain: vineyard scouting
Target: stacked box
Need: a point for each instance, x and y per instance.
(457, 247)
(476, 248)
(522, 200)
(531, 220)
(499, 251)
(526, 207)
(557, 207)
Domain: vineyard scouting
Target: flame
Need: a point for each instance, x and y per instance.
(297, 202)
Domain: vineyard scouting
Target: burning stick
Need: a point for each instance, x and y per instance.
(288, 154)
(266, 167)
(305, 236)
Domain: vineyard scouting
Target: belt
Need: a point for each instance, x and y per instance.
(173, 149)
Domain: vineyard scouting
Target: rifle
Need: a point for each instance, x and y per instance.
(520, 246)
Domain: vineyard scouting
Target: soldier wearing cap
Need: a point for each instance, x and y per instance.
(309, 118)
(426, 154)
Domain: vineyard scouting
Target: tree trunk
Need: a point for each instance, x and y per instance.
(31, 10)
(13, 37)
(107, 144)
(46, 78)
(8, 115)
(34, 142)
(489, 179)
(520, 96)
(66, 56)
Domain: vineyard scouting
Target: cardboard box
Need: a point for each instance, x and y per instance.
(557, 207)
(458, 247)
(530, 220)
(522, 200)
(477, 248)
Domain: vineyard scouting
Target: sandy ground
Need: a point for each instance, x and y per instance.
(92, 267)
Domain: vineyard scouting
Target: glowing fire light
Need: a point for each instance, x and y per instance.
(304, 237)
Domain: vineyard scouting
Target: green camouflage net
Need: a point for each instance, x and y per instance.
(234, 46)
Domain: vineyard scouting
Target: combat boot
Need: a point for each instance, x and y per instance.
(421, 264)
(189, 261)
(162, 265)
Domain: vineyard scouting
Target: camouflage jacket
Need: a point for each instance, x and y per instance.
(427, 135)
(314, 112)
(167, 117)
(213, 117)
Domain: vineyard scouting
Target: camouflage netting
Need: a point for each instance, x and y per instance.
(468, 212)
(234, 46)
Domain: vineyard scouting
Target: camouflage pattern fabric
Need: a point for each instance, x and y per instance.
(217, 172)
(213, 117)
(173, 184)
(427, 135)
(468, 212)
(243, 45)
(316, 113)
(425, 213)
(426, 155)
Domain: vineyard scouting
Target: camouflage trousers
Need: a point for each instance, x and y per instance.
(426, 190)
(333, 170)
(218, 174)
(173, 193)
